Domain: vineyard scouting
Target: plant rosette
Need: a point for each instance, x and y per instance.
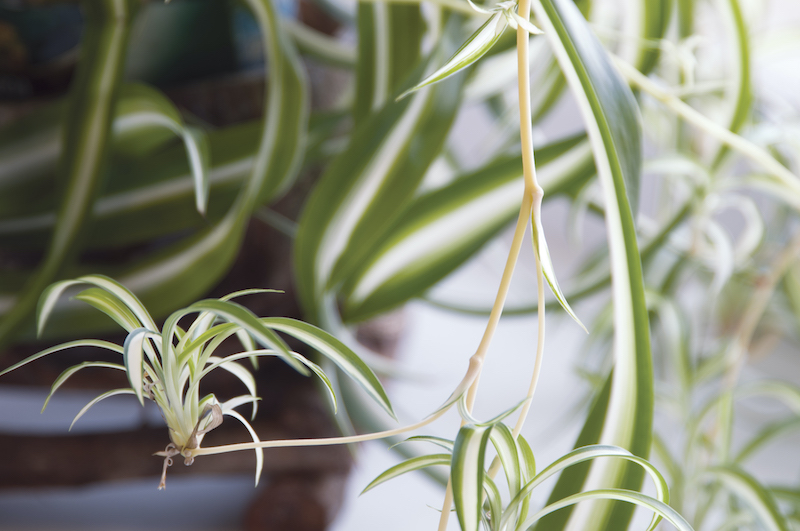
(166, 365)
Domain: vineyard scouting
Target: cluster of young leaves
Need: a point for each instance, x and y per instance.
(167, 365)
(477, 497)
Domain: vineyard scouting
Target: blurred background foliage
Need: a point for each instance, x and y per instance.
(141, 140)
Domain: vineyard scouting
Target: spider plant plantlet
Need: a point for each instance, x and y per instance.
(167, 365)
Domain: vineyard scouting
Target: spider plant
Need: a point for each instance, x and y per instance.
(394, 212)
(167, 365)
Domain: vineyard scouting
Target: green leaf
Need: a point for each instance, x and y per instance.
(473, 49)
(133, 355)
(543, 255)
(758, 498)
(506, 447)
(654, 22)
(367, 186)
(612, 122)
(239, 315)
(495, 504)
(48, 299)
(204, 321)
(254, 436)
(467, 474)
(78, 343)
(286, 108)
(661, 510)
(72, 370)
(440, 230)
(582, 455)
(94, 401)
(141, 110)
(93, 93)
(389, 48)
(111, 306)
(337, 352)
(409, 465)
(738, 94)
(528, 470)
(198, 151)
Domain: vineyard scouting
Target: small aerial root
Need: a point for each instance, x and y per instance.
(168, 453)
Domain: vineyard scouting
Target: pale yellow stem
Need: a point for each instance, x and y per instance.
(532, 189)
(327, 441)
(535, 193)
(448, 502)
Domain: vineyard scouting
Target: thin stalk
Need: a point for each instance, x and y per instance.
(327, 441)
(535, 193)
(532, 190)
(530, 209)
(732, 140)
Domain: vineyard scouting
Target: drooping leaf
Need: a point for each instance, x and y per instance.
(473, 49)
(415, 463)
(93, 93)
(660, 509)
(64, 376)
(287, 104)
(367, 186)
(111, 306)
(585, 454)
(94, 401)
(239, 315)
(254, 436)
(616, 144)
(141, 110)
(78, 343)
(124, 295)
(336, 351)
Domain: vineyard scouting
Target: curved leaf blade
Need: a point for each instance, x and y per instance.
(333, 349)
(756, 496)
(64, 376)
(94, 401)
(612, 120)
(409, 465)
(78, 343)
(473, 49)
(661, 510)
(440, 230)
